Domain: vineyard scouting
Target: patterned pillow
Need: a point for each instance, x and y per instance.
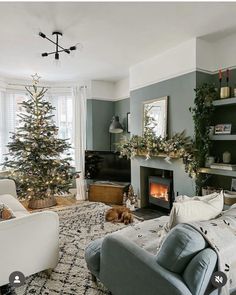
(5, 212)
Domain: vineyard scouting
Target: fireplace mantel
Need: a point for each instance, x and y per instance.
(161, 155)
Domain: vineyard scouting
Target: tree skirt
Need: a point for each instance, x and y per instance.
(78, 226)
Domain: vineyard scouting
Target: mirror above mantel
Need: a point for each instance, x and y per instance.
(155, 116)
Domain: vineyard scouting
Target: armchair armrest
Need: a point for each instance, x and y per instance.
(128, 269)
(12, 203)
(29, 244)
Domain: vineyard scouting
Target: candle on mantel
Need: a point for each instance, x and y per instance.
(227, 77)
(220, 76)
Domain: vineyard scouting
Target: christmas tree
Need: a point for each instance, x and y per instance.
(41, 167)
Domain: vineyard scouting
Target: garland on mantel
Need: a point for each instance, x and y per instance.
(149, 145)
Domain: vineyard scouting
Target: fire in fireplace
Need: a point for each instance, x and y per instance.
(161, 191)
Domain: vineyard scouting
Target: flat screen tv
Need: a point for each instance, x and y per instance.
(107, 166)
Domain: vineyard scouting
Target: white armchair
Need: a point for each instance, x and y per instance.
(28, 243)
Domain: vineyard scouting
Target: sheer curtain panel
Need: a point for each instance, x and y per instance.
(79, 136)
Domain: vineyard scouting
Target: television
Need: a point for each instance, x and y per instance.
(107, 166)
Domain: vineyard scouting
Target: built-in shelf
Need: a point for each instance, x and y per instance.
(223, 137)
(217, 172)
(224, 101)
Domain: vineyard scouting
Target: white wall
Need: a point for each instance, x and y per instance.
(112, 91)
(205, 56)
(122, 89)
(213, 55)
(2, 84)
(174, 62)
(225, 49)
(103, 90)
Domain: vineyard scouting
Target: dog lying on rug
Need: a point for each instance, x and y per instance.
(119, 214)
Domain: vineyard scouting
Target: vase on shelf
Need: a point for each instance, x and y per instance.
(209, 160)
(226, 157)
(224, 92)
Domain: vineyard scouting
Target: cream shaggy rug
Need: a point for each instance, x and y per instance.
(79, 225)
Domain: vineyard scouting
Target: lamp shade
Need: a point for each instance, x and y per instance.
(115, 126)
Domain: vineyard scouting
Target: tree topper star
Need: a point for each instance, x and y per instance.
(35, 78)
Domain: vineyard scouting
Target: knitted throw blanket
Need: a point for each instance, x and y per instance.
(220, 233)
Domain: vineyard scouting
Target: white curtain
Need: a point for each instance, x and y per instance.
(9, 108)
(63, 113)
(79, 136)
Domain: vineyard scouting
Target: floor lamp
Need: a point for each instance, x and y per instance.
(115, 127)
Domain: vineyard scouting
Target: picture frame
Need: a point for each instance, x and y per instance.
(233, 185)
(223, 129)
(128, 122)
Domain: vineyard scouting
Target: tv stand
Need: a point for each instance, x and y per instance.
(108, 192)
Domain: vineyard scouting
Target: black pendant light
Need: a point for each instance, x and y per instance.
(59, 48)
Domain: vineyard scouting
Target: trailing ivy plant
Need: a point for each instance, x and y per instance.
(202, 117)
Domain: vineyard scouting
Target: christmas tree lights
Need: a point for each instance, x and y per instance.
(40, 161)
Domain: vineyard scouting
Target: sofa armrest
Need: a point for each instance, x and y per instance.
(128, 269)
(29, 244)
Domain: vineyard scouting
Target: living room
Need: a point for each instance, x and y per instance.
(117, 154)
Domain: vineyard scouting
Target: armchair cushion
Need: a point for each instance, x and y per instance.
(180, 246)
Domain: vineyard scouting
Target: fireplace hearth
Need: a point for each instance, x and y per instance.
(161, 191)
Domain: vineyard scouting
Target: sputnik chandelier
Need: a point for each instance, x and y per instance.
(59, 48)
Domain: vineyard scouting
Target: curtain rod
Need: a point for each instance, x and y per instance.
(23, 85)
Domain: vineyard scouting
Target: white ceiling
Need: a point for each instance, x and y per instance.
(114, 35)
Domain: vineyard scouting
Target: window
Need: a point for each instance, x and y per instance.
(10, 107)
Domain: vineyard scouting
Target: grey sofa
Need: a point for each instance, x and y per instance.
(183, 266)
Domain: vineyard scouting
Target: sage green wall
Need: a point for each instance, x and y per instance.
(202, 77)
(180, 91)
(121, 108)
(99, 115)
(89, 125)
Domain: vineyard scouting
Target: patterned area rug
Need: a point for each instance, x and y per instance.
(78, 226)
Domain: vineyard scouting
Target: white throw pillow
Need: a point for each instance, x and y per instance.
(196, 209)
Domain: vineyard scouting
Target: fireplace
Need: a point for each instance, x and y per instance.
(161, 191)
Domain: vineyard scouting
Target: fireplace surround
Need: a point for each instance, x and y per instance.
(156, 188)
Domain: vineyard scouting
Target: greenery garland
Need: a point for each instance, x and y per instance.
(178, 146)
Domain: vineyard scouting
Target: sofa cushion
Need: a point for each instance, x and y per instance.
(5, 212)
(198, 272)
(92, 256)
(181, 244)
(196, 209)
